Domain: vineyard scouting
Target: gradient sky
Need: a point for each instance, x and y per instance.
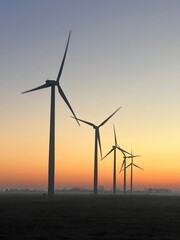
(121, 53)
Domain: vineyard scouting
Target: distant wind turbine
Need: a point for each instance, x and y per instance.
(125, 167)
(131, 165)
(116, 146)
(97, 141)
(53, 84)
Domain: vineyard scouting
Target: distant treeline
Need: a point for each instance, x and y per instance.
(156, 191)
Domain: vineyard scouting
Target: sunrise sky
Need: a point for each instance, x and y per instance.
(121, 53)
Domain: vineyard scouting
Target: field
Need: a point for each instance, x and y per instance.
(89, 217)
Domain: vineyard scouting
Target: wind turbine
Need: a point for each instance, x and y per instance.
(97, 141)
(124, 165)
(116, 146)
(131, 165)
(53, 84)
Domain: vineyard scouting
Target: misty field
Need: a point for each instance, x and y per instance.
(89, 217)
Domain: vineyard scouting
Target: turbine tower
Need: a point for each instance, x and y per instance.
(131, 165)
(116, 146)
(53, 84)
(124, 164)
(97, 141)
(125, 167)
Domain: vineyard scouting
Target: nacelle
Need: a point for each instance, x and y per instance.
(51, 82)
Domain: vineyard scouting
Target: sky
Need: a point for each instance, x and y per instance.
(121, 53)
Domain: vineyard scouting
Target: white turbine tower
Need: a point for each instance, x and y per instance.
(97, 141)
(116, 146)
(53, 84)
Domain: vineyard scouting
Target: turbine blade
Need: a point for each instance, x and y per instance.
(115, 138)
(128, 165)
(124, 155)
(108, 118)
(37, 88)
(136, 156)
(62, 64)
(91, 124)
(132, 156)
(108, 153)
(138, 166)
(122, 150)
(99, 141)
(66, 101)
(122, 166)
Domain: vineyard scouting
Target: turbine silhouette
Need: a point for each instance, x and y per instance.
(125, 167)
(53, 84)
(124, 164)
(97, 141)
(131, 165)
(116, 146)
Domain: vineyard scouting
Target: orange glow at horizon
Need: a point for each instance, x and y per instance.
(24, 160)
(24, 156)
(76, 172)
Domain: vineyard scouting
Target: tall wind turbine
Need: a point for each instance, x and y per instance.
(131, 165)
(116, 146)
(53, 84)
(97, 141)
(124, 165)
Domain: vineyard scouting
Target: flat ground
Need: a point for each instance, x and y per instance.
(88, 217)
